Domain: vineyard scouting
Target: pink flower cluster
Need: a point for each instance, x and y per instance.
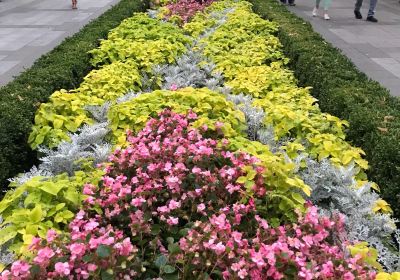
(257, 251)
(89, 249)
(173, 195)
(186, 9)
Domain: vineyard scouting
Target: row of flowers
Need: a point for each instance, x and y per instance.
(218, 176)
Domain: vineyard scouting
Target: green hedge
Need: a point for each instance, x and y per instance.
(63, 67)
(344, 91)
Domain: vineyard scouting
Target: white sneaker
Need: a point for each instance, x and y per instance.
(315, 12)
(326, 16)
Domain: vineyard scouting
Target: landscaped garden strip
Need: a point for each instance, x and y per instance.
(344, 91)
(221, 141)
(64, 67)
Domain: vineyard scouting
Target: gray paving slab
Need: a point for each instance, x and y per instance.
(31, 28)
(373, 47)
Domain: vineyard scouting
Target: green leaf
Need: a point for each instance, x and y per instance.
(103, 251)
(107, 275)
(174, 248)
(168, 269)
(297, 197)
(36, 214)
(160, 261)
(52, 188)
(155, 229)
(170, 240)
(7, 233)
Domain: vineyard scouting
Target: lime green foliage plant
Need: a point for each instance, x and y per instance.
(259, 80)
(40, 204)
(144, 40)
(293, 113)
(244, 40)
(211, 107)
(150, 42)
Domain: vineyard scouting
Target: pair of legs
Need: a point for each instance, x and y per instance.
(290, 2)
(326, 4)
(372, 6)
(74, 3)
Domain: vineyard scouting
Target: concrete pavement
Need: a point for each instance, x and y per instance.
(373, 47)
(30, 28)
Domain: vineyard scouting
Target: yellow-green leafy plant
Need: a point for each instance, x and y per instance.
(210, 106)
(259, 80)
(144, 40)
(293, 113)
(63, 113)
(40, 204)
(286, 189)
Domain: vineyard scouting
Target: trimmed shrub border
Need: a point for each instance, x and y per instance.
(63, 67)
(344, 91)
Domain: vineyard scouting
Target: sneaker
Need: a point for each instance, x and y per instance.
(326, 16)
(292, 4)
(358, 14)
(315, 12)
(372, 19)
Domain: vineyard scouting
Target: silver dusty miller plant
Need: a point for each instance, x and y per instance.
(88, 143)
(334, 190)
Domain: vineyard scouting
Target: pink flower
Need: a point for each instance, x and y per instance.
(172, 221)
(219, 248)
(51, 235)
(201, 207)
(62, 268)
(44, 255)
(242, 273)
(348, 276)
(92, 267)
(173, 87)
(174, 205)
(20, 268)
(77, 249)
(138, 201)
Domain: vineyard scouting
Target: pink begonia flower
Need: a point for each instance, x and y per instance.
(174, 205)
(173, 87)
(77, 249)
(62, 268)
(219, 248)
(20, 268)
(43, 255)
(242, 273)
(87, 189)
(348, 276)
(125, 248)
(92, 267)
(35, 242)
(51, 235)
(138, 201)
(172, 221)
(201, 207)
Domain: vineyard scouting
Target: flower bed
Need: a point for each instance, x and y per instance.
(229, 170)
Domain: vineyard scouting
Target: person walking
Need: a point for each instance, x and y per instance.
(290, 2)
(326, 4)
(74, 3)
(371, 11)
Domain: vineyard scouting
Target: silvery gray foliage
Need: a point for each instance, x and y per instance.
(128, 96)
(334, 190)
(99, 113)
(24, 177)
(88, 143)
(191, 70)
(254, 116)
(6, 257)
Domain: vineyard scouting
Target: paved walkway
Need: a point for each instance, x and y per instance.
(30, 28)
(373, 47)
